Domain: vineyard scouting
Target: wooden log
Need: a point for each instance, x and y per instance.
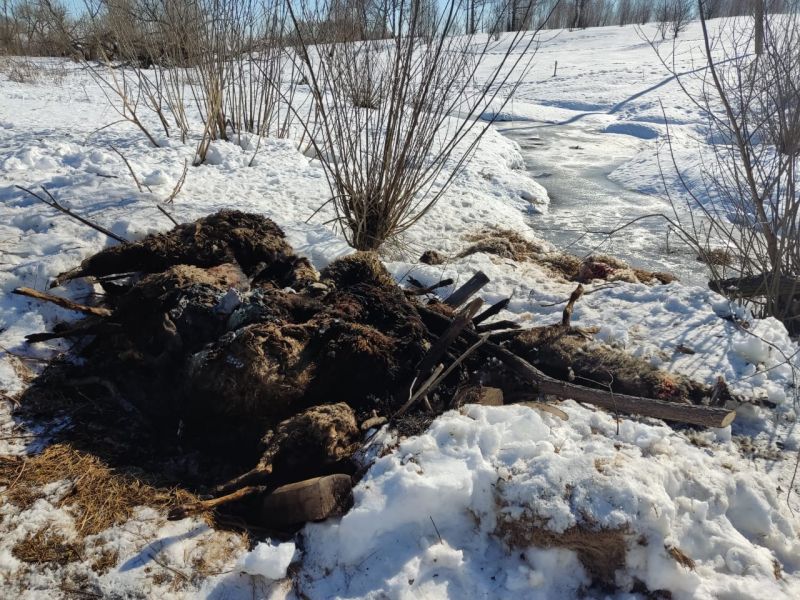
(63, 302)
(693, 414)
(311, 500)
(466, 291)
(706, 416)
(756, 285)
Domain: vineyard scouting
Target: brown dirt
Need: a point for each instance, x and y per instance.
(601, 551)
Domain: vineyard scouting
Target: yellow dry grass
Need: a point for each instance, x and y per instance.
(98, 497)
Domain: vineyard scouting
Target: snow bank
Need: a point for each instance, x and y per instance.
(476, 474)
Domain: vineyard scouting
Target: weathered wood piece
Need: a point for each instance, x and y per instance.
(421, 289)
(466, 291)
(311, 500)
(444, 341)
(756, 285)
(490, 312)
(497, 326)
(63, 302)
(706, 416)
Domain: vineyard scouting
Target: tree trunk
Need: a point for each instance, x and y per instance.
(759, 26)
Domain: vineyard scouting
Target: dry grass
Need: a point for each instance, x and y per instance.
(777, 571)
(19, 70)
(106, 559)
(510, 245)
(719, 257)
(504, 243)
(46, 547)
(98, 498)
(601, 551)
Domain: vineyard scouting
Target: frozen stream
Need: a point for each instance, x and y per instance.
(573, 162)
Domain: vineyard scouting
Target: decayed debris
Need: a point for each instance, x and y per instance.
(221, 357)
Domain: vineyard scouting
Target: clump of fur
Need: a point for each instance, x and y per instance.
(359, 267)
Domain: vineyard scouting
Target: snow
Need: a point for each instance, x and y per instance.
(268, 560)
(481, 468)
(430, 512)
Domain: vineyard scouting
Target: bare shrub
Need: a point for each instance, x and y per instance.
(397, 118)
(21, 70)
(749, 194)
(209, 67)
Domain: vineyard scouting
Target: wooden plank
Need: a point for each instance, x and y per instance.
(466, 291)
(440, 346)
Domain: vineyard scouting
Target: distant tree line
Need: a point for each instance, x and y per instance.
(48, 28)
(582, 14)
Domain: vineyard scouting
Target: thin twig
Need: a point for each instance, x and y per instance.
(53, 203)
(178, 185)
(441, 541)
(130, 170)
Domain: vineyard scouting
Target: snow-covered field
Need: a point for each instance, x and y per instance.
(452, 513)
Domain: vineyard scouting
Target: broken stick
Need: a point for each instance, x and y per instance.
(63, 302)
(441, 345)
(573, 298)
(491, 311)
(201, 506)
(53, 203)
(421, 289)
